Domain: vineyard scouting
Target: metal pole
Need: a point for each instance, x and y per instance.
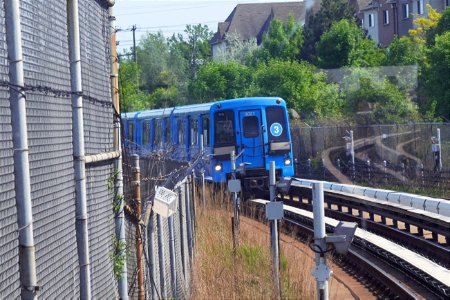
(438, 136)
(202, 151)
(78, 149)
(136, 190)
(173, 270)
(134, 43)
(274, 237)
(118, 184)
(188, 217)
(352, 153)
(151, 247)
(321, 272)
(235, 197)
(162, 260)
(182, 243)
(27, 260)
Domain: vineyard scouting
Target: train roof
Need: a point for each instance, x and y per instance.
(197, 108)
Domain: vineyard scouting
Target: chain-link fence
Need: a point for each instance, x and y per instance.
(167, 242)
(384, 155)
(49, 121)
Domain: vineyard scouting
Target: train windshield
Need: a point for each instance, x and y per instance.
(224, 128)
(276, 123)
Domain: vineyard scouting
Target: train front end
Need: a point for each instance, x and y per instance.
(257, 130)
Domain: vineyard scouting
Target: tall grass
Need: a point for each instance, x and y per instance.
(222, 273)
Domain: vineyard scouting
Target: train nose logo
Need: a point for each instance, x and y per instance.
(276, 129)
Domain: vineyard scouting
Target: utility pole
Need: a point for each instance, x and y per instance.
(134, 43)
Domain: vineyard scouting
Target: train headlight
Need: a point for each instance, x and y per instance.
(287, 161)
(218, 167)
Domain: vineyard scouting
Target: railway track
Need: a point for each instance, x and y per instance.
(396, 252)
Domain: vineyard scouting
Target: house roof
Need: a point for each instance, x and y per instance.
(251, 20)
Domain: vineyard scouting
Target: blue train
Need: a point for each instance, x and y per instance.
(257, 128)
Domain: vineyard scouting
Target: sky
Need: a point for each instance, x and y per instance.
(170, 16)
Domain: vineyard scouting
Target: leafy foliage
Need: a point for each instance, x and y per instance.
(436, 76)
(369, 101)
(221, 80)
(236, 49)
(330, 11)
(442, 26)
(131, 98)
(403, 52)
(282, 41)
(345, 45)
(424, 24)
(300, 85)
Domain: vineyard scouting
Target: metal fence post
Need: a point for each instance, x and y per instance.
(321, 272)
(173, 270)
(188, 218)
(162, 260)
(202, 171)
(151, 247)
(27, 260)
(78, 149)
(352, 153)
(136, 190)
(274, 237)
(182, 230)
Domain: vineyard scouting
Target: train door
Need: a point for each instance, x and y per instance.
(251, 138)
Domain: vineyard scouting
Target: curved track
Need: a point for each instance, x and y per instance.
(397, 252)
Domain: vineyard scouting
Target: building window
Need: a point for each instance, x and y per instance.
(405, 9)
(371, 20)
(420, 7)
(386, 17)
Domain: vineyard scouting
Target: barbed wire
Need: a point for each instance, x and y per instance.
(46, 90)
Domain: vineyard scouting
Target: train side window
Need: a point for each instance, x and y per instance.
(146, 133)
(276, 123)
(194, 131)
(158, 137)
(224, 131)
(131, 132)
(181, 131)
(205, 123)
(167, 129)
(251, 127)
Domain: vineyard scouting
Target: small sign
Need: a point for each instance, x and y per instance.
(274, 211)
(234, 185)
(276, 129)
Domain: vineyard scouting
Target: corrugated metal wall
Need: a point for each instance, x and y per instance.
(49, 118)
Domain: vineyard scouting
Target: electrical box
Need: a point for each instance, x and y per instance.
(274, 211)
(165, 202)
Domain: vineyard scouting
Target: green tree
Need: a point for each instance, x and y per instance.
(131, 98)
(194, 47)
(152, 57)
(220, 80)
(300, 85)
(236, 49)
(282, 41)
(403, 52)
(345, 45)
(436, 76)
(330, 11)
(442, 26)
(369, 101)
